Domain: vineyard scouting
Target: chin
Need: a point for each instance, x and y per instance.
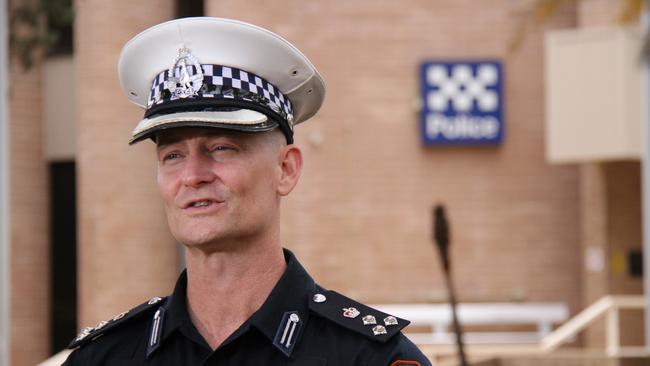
(196, 238)
(195, 231)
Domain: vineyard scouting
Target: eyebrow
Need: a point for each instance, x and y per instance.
(170, 140)
(175, 139)
(161, 146)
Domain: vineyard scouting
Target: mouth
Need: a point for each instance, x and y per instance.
(200, 203)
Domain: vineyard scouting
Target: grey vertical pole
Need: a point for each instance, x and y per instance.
(4, 188)
(645, 163)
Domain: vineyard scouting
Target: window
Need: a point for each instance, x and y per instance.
(189, 8)
(63, 254)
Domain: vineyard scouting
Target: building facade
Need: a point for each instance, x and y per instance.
(523, 227)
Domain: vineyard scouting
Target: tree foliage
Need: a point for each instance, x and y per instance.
(541, 11)
(38, 26)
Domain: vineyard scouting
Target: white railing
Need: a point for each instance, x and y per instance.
(437, 319)
(609, 306)
(56, 360)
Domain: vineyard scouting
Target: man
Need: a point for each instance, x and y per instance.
(222, 98)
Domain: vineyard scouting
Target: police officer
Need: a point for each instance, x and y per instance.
(222, 98)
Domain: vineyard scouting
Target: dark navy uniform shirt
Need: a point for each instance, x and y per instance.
(300, 323)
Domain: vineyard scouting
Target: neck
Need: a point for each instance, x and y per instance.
(225, 288)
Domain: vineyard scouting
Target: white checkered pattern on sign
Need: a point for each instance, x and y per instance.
(461, 88)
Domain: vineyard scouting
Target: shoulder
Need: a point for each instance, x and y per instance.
(355, 316)
(119, 321)
(402, 352)
(379, 333)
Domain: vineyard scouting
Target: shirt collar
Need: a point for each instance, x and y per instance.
(290, 294)
(177, 316)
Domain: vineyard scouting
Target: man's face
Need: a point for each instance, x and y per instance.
(221, 188)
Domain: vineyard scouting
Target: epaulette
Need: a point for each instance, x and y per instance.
(356, 316)
(89, 334)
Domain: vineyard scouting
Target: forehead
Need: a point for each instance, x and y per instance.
(175, 135)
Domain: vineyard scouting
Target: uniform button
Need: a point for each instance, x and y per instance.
(319, 298)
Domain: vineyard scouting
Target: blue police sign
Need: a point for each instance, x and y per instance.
(462, 102)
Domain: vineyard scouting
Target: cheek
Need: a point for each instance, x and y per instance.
(167, 184)
(255, 187)
(265, 183)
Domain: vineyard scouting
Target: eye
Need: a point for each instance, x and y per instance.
(171, 156)
(219, 148)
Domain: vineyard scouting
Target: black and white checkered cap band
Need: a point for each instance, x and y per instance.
(226, 83)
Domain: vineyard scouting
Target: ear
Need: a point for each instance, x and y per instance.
(290, 168)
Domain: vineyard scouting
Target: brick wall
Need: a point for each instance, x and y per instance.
(29, 256)
(594, 218)
(611, 213)
(598, 13)
(624, 234)
(360, 218)
(126, 254)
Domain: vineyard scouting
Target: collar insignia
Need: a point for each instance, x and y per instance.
(156, 331)
(288, 331)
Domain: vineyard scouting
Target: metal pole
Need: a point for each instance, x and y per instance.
(5, 292)
(645, 163)
(442, 239)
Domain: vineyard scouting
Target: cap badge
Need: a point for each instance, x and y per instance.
(185, 75)
(350, 312)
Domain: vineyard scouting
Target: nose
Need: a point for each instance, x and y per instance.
(198, 171)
